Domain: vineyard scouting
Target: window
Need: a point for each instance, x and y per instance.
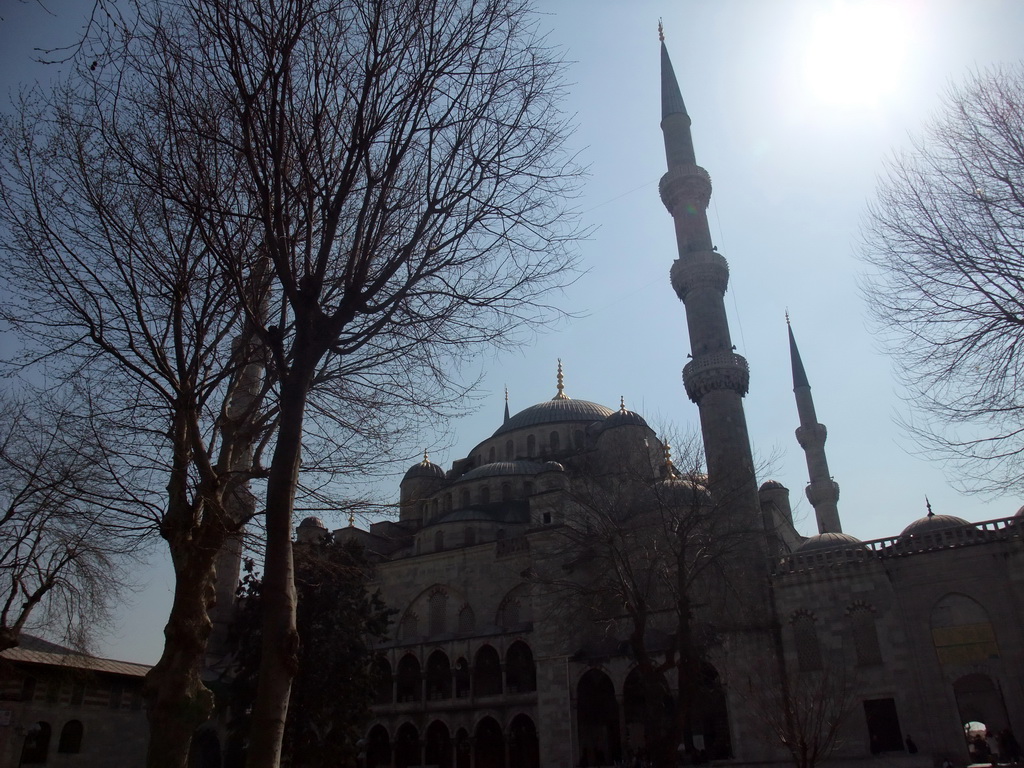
(531, 446)
(865, 635)
(465, 498)
(805, 635)
(528, 488)
(485, 495)
(467, 620)
(469, 536)
(490, 455)
(116, 693)
(28, 689)
(577, 438)
(509, 450)
(438, 612)
(547, 518)
(553, 441)
(439, 541)
(410, 628)
(506, 492)
(508, 613)
(52, 691)
(77, 693)
(408, 683)
(70, 738)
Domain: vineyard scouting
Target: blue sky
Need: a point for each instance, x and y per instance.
(795, 105)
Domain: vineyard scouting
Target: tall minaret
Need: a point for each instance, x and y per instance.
(822, 490)
(716, 378)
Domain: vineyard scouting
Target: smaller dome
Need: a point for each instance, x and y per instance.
(772, 485)
(501, 468)
(828, 540)
(552, 466)
(623, 418)
(313, 522)
(932, 523)
(425, 468)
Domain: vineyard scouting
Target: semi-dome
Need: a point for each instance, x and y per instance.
(555, 411)
(828, 540)
(503, 468)
(425, 468)
(313, 522)
(623, 418)
(772, 485)
(932, 523)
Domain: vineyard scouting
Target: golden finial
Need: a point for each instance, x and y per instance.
(787, 315)
(506, 394)
(560, 395)
(351, 520)
(668, 456)
(661, 31)
(426, 457)
(622, 404)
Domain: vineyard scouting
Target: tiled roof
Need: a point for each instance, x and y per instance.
(34, 650)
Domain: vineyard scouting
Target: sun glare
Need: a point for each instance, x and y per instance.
(855, 52)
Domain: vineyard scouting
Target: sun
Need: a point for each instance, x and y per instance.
(855, 52)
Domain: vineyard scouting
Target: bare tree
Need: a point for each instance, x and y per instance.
(313, 210)
(61, 548)
(945, 239)
(805, 711)
(645, 552)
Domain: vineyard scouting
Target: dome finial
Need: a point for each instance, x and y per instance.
(426, 457)
(560, 395)
(669, 466)
(787, 316)
(928, 504)
(351, 520)
(506, 405)
(622, 404)
(661, 30)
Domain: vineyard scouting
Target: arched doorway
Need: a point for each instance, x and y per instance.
(523, 746)
(486, 672)
(597, 718)
(711, 719)
(407, 746)
(647, 706)
(463, 749)
(489, 750)
(520, 672)
(439, 676)
(982, 713)
(378, 748)
(408, 686)
(438, 746)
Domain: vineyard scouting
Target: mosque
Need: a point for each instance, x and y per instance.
(494, 664)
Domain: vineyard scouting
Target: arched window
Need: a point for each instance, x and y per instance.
(528, 488)
(438, 610)
(462, 680)
(577, 438)
(597, 719)
(485, 495)
(487, 672)
(467, 620)
(553, 441)
(410, 627)
(805, 636)
(865, 635)
(489, 745)
(506, 491)
(437, 745)
(464, 498)
(36, 747)
(439, 677)
(962, 632)
(383, 684)
(447, 502)
(70, 742)
(531, 446)
(408, 679)
(469, 536)
(490, 455)
(439, 541)
(523, 746)
(520, 671)
(508, 613)
(509, 450)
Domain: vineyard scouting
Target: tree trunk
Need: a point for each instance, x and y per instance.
(279, 659)
(177, 700)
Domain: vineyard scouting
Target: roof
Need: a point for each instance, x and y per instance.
(932, 523)
(35, 650)
(554, 411)
(501, 468)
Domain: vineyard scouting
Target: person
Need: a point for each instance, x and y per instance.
(911, 746)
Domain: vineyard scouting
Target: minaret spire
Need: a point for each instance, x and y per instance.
(506, 405)
(822, 491)
(716, 378)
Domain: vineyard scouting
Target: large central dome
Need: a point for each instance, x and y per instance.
(557, 410)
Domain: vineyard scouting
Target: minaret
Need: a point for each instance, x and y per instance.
(716, 378)
(822, 490)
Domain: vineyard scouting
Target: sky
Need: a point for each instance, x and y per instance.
(795, 106)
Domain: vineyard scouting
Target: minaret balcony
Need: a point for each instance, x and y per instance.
(822, 492)
(714, 371)
(811, 436)
(699, 269)
(684, 189)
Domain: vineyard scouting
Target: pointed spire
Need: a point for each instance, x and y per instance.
(622, 404)
(560, 395)
(799, 375)
(351, 520)
(928, 504)
(671, 96)
(506, 405)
